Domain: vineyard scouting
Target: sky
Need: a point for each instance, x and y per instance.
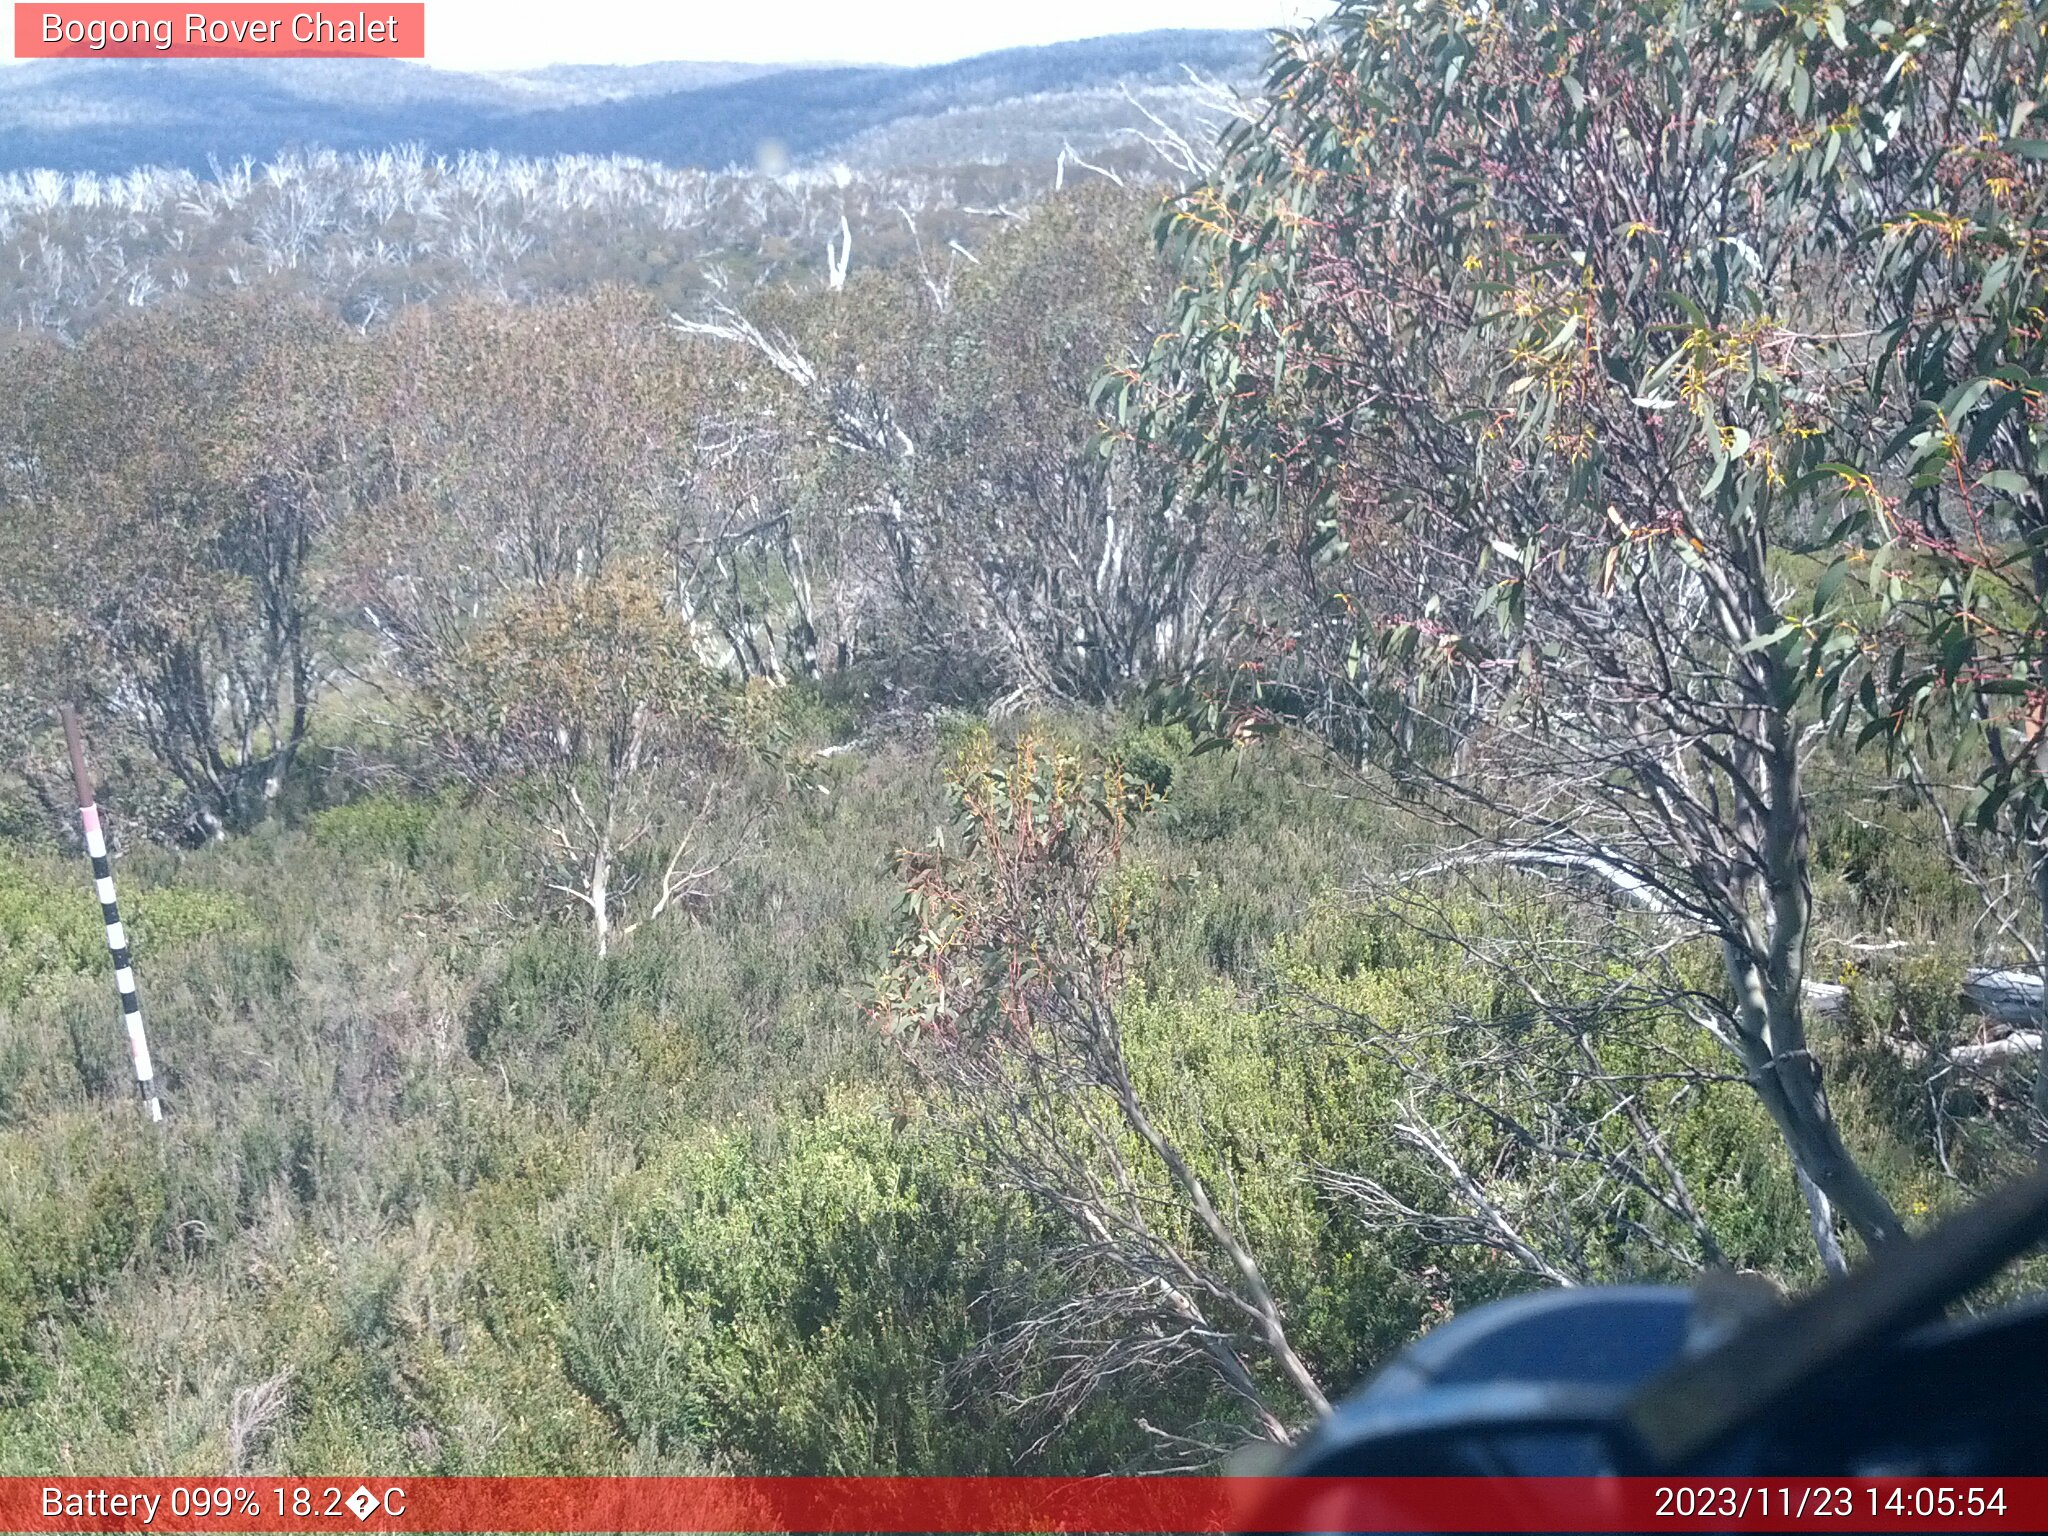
(524, 34)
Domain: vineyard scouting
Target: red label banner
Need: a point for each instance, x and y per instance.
(956, 1506)
(231, 31)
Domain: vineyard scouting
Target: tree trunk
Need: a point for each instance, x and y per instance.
(2037, 856)
(1769, 978)
(1771, 1040)
(1820, 1215)
(600, 896)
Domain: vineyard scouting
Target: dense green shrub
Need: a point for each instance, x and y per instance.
(79, 1201)
(51, 927)
(377, 827)
(787, 1297)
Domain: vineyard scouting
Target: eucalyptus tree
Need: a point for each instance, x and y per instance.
(1547, 334)
(584, 709)
(1002, 556)
(519, 446)
(1958, 477)
(172, 479)
(1007, 999)
(534, 465)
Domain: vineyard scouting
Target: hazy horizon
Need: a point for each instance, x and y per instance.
(477, 36)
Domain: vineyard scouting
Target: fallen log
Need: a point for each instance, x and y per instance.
(2003, 995)
(1991, 1053)
(2011, 997)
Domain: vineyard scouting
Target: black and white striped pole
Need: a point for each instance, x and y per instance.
(117, 936)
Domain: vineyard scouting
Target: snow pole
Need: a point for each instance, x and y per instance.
(117, 936)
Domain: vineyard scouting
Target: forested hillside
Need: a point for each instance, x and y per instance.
(1017, 817)
(106, 117)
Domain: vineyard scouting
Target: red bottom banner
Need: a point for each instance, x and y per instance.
(958, 1506)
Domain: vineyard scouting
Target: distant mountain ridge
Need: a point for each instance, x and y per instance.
(110, 115)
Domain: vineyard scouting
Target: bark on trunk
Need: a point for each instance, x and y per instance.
(1771, 1039)
(2038, 848)
(600, 897)
(1768, 971)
